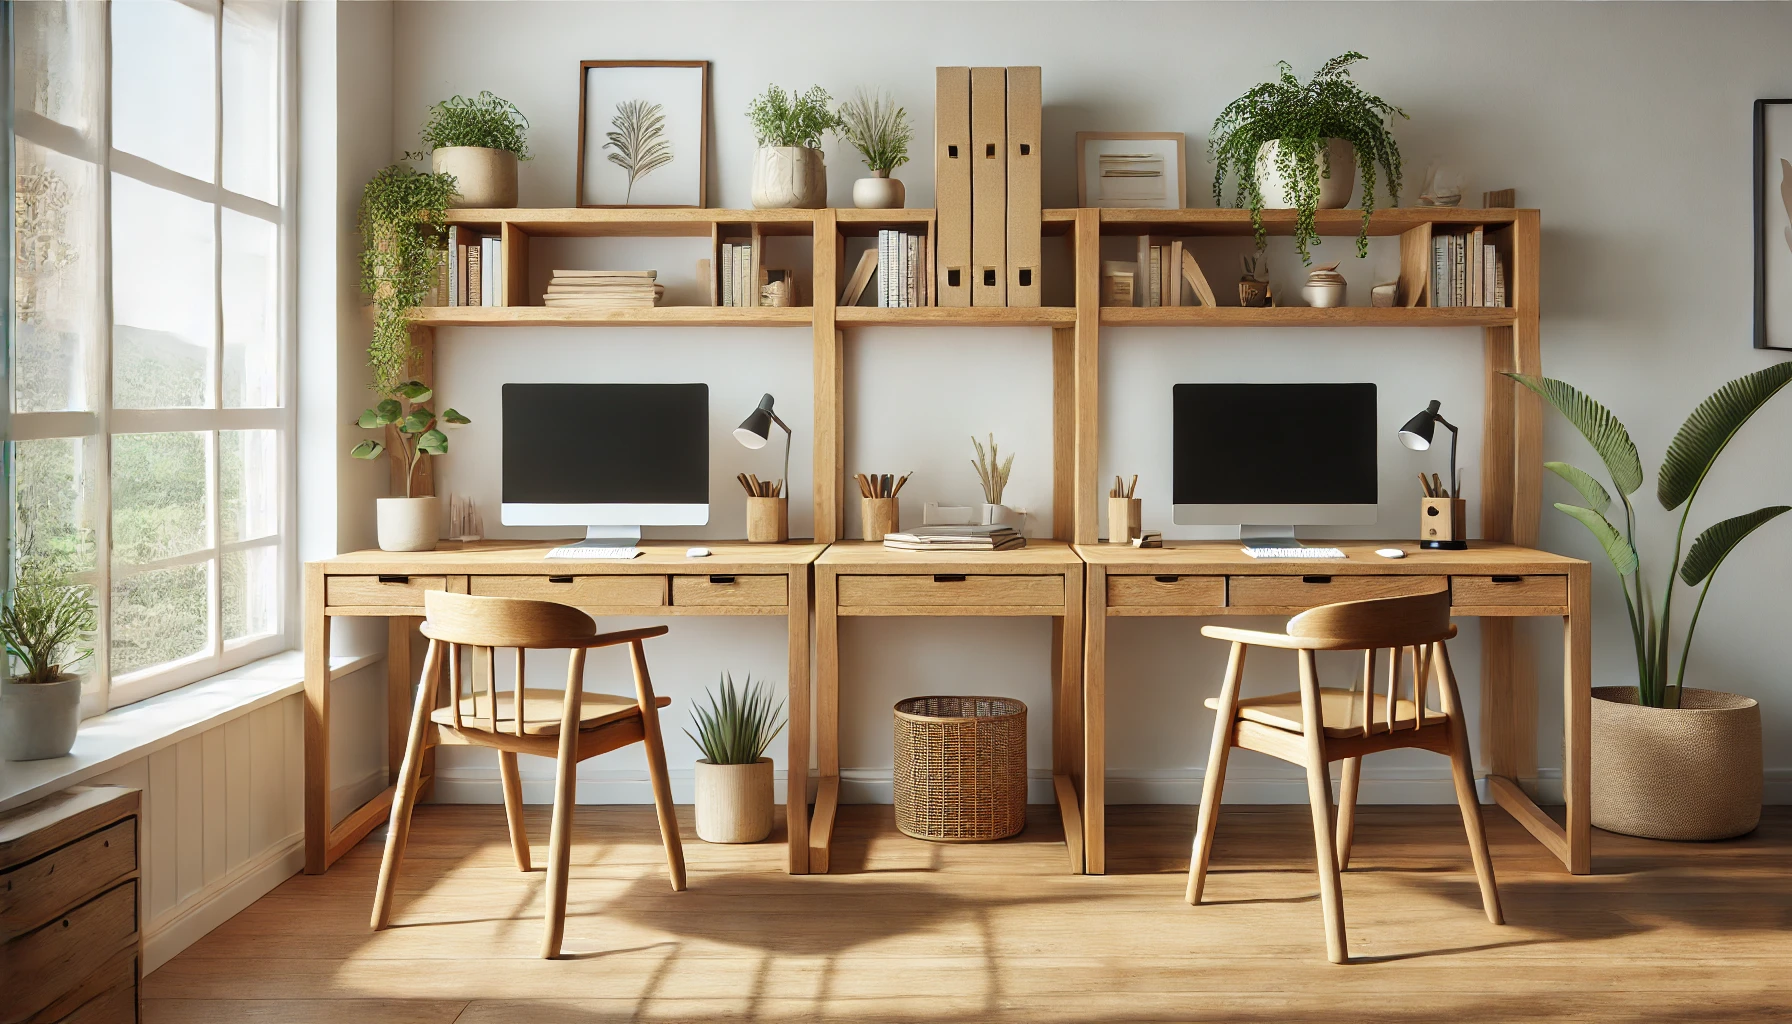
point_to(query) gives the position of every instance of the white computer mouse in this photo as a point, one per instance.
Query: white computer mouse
(696, 553)
(1390, 552)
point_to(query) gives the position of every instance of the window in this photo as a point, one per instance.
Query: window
(151, 434)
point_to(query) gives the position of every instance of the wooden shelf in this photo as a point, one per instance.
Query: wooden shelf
(956, 316)
(656, 316)
(636, 223)
(1281, 222)
(1305, 316)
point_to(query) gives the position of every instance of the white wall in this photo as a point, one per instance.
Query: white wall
(1628, 125)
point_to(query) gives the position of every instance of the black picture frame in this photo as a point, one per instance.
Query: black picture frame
(1762, 206)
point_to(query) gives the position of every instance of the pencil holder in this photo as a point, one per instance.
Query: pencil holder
(878, 516)
(1124, 517)
(1443, 523)
(768, 520)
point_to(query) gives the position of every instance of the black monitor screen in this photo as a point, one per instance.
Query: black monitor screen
(1275, 444)
(606, 444)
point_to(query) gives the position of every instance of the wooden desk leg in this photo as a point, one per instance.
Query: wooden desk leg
(1067, 717)
(827, 719)
(400, 689)
(796, 758)
(317, 724)
(1095, 655)
(1577, 710)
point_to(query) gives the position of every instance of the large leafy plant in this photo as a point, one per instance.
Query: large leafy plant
(792, 119)
(484, 120)
(738, 724)
(1300, 119)
(47, 621)
(403, 217)
(1690, 456)
(417, 430)
(878, 129)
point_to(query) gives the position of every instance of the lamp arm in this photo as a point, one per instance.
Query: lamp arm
(1455, 435)
(788, 437)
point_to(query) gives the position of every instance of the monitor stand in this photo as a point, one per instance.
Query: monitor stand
(1255, 536)
(609, 537)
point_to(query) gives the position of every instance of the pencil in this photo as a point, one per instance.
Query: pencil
(1132, 486)
(898, 488)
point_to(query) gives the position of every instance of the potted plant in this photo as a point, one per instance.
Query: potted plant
(788, 171)
(1669, 761)
(403, 216)
(1300, 146)
(993, 475)
(407, 523)
(45, 624)
(478, 142)
(734, 777)
(879, 130)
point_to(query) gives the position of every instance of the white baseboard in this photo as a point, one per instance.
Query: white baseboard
(220, 901)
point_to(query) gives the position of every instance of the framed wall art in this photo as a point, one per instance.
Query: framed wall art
(1131, 169)
(643, 133)
(1773, 224)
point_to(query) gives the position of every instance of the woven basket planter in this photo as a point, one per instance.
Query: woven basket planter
(961, 768)
(1664, 773)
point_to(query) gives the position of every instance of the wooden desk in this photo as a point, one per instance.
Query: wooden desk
(866, 578)
(1208, 578)
(736, 579)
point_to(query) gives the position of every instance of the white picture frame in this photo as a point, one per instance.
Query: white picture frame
(616, 98)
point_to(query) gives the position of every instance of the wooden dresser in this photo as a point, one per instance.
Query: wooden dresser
(70, 941)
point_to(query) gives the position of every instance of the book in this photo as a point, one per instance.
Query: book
(1154, 277)
(1173, 275)
(899, 245)
(860, 280)
(883, 269)
(1488, 257)
(1477, 296)
(1499, 283)
(1191, 270)
(475, 278)
(914, 270)
(956, 538)
(488, 264)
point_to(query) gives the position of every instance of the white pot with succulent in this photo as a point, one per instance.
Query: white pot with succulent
(46, 625)
(478, 141)
(993, 475)
(734, 777)
(410, 523)
(788, 171)
(879, 130)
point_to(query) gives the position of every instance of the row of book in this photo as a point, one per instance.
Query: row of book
(604, 289)
(739, 273)
(1159, 277)
(471, 274)
(902, 266)
(956, 538)
(987, 130)
(1466, 269)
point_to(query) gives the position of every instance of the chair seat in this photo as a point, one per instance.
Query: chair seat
(1341, 710)
(542, 709)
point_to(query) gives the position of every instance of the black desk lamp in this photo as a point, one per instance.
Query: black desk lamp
(1417, 435)
(756, 430)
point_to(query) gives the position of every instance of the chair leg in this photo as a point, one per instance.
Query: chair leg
(513, 807)
(1462, 771)
(409, 778)
(1319, 793)
(566, 766)
(656, 767)
(1207, 823)
(1347, 788)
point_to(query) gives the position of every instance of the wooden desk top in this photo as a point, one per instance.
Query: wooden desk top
(1226, 556)
(861, 556)
(529, 557)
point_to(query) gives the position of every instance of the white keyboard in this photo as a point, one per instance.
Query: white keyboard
(575, 551)
(1293, 552)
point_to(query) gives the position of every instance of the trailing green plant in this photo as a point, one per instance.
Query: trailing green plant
(738, 724)
(991, 474)
(485, 120)
(1690, 456)
(792, 119)
(48, 621)
(878, 129)
(638, 145)
(402, 221)
(1299, 119)
(418, 432)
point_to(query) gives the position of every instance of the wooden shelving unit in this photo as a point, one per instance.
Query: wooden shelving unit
(1305, 316)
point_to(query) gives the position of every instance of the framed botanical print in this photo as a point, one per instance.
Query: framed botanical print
(1131, 169)
(1773, 224)
(643, 133)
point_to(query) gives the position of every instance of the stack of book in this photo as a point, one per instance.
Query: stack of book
(956, 538)
(604, 289)
(1466, 269)
(471, 273)
(739, 273)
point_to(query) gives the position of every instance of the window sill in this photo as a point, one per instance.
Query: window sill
(137, 730)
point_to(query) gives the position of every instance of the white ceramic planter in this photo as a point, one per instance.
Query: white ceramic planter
(879, 192)
(734, 801)
(1692, 772)
(39, 720)
(1334, 192)
(789, 178)
(408, 524)
(998, 515)
(486, 178)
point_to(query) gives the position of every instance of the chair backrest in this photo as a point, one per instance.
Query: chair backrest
(1379, 622)
(502, 621)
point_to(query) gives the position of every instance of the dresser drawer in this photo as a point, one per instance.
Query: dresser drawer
(31, 894)
(578, 591)
(1509, 591)
(1311, 591)
(731, 591)
(385, 591)
(1166, 591)
(38, 967)
(951, 590)
(107, 996)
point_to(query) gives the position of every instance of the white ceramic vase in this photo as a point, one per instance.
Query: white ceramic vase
(1334, 192)
(39, 720)
(789, 178)
(485, 178)
(734, 801)
(408, 524)
(998, 515)
(879, 192)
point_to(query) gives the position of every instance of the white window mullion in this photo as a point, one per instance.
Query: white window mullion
(99, 459)
(42, 426)
(287, 193)
(215, 445)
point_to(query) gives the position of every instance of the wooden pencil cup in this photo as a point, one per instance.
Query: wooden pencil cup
(879, 516)
(768, 520)
(1124, 518)
(1443, 523)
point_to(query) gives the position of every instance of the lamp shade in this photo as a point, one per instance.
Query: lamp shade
(1419, 430)
(756, 429)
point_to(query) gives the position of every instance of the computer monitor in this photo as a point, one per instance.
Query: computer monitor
(609, 457)
(1270, 457)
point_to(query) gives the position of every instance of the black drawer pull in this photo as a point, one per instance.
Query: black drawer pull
(947, 578)
(393, 578)
(559, 579)
(1166, 579)
(1507, 579)
(1315, 579)
(722, 580)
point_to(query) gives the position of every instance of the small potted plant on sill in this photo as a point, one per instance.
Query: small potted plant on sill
(734, 777)
(788, 170)
(1669, 761)
(46, 625)
(1300, 146)
(478, 142)
(408, 523)
(993, 475)
(879, 130)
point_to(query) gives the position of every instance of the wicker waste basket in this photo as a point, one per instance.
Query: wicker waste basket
(961, 768)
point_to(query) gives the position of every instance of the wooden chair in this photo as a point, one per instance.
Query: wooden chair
(568, 726)
(1316, 725)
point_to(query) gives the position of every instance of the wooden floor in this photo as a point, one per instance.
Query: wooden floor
(908, 931)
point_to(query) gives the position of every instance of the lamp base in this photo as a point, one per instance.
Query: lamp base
(1444, 545)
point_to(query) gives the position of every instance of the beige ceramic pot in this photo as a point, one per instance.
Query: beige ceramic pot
(1334, 192)
(485, 178)
(734, 801)
(1692, 772)
(39, 720)
(789, 178)
(878, 192)
(408, 524)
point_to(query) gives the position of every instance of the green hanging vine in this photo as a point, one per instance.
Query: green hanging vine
(403, 215)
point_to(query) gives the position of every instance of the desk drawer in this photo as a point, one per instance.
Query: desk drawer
(34, 893)
(578, 591)
(731, 591)
(1166, 591)
(951, 590)
(38, 967)
(384, 591)
(1312, 590)
(1509, 591)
